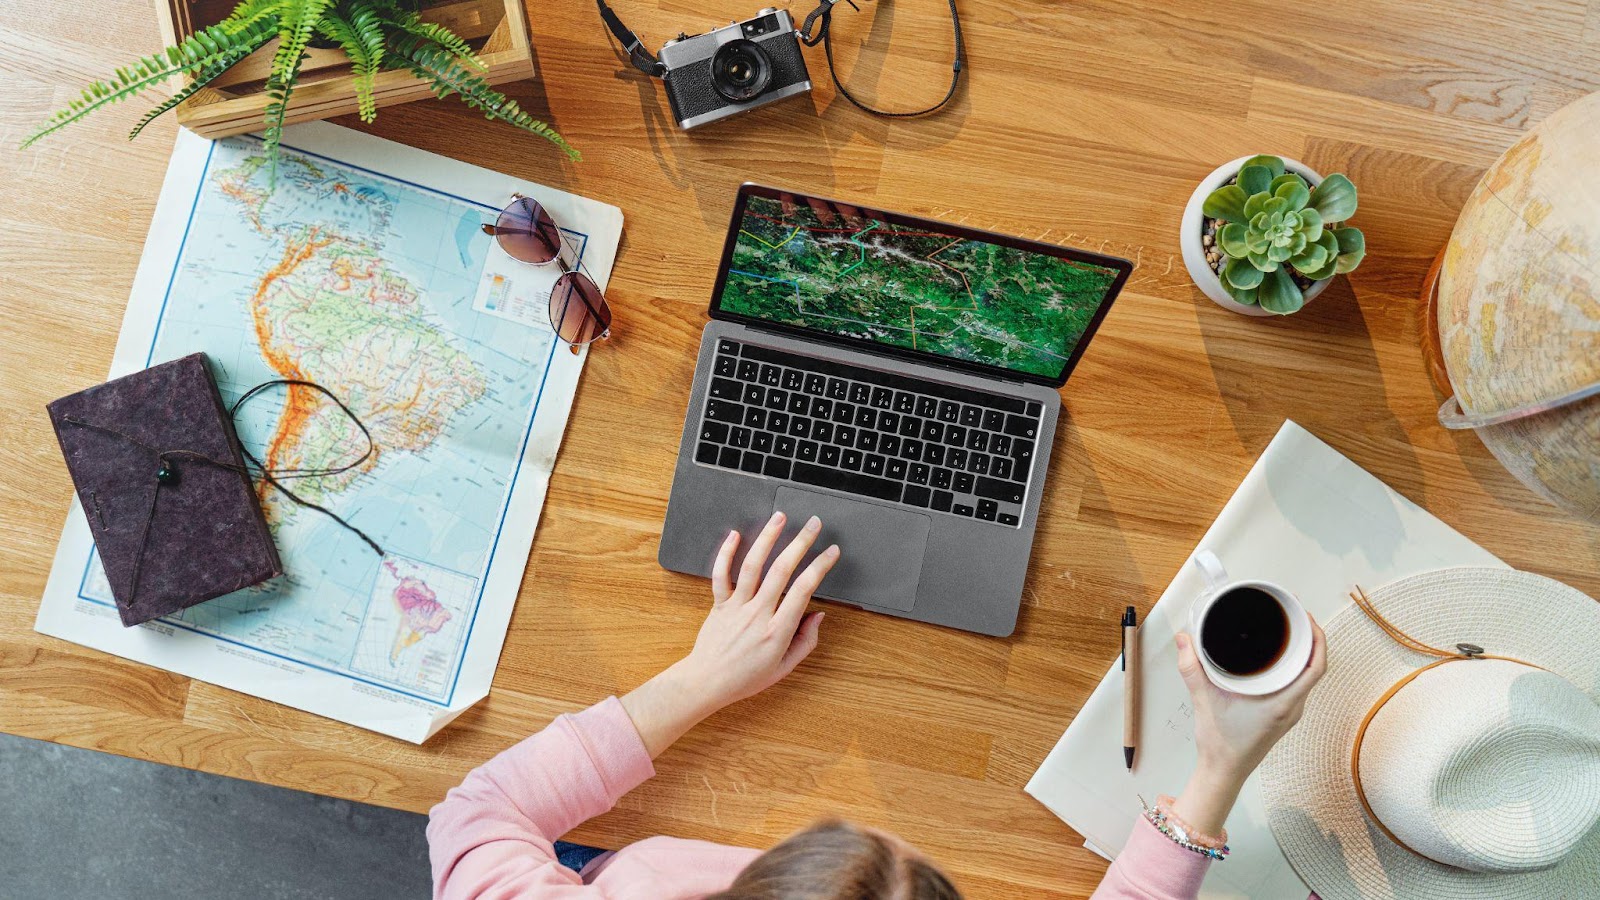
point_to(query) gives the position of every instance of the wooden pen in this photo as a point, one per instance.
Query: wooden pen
(1130, 685)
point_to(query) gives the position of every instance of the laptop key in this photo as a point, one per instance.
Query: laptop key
(978, 463)
(941, 477)
(844, 413)
(904, 402)
(754, 394)
(1035, 408)
(777, 399)
(866, 417)
(961, 509)
(715, 432)
(726, 389)
(1022, 452)
(837, 389)
(873, 464)
(971, 416)
(977, 440)
(1000, 467)
(747, 370)
(919, 473)
(751, 462)
(793, 379)
(849, 482)
(723, 411)
(927, 407)
(987, 510)
(844, 436)
(851, 459)
(729, 458)
(942, 500)
(910, 450)
(889, 445)
(706, 453)
(1021, 426)
(777, 422)
(784, 446)
(867, 440)
(933, 454)
(999, 445)
(910, 426)
(1008, 519)
(776, 467)
(963, 482)
(995, 489)
(762, 442)
(955, 435)
(755, 418)
(725, 366)
(932, 431)
(896, 469)
(799, 427)
(993, 419)
(860, 393)
(888, 421)
(724, 345)
(948, 411)
(740, 437)
(771, 376)
(806, 451)
(815, 384)
(821, 408)
(822, 432)
(882, 398)
(829, 455)
(799, 405)
(917, 496)
(955, 458)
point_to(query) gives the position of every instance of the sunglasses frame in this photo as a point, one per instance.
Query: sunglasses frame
(560, 261)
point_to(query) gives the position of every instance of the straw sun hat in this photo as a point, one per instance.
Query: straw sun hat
(1472, 777)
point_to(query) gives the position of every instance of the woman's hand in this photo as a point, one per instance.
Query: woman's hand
(755, 634)
(1233, 732)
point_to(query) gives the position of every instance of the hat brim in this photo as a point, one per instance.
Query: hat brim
(1310, 798)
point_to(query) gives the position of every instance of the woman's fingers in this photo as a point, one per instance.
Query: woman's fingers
(783, 567)
(805, 641)
(755, 559)
(805, 584)
(722, 568)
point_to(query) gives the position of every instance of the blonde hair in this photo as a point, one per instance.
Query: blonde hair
(834, 860)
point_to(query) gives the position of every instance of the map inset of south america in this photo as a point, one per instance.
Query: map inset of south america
(364, 285)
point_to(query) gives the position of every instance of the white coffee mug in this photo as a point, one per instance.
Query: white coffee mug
(1295, 656)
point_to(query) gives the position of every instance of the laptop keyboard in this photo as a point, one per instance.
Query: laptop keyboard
(874, 434)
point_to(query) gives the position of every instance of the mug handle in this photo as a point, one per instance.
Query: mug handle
(1211, 569)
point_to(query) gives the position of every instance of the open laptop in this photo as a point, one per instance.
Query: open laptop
(894, 376)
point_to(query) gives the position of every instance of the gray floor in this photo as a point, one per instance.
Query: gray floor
(76, 823)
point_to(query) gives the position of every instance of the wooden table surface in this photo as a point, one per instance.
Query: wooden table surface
(1086, 123)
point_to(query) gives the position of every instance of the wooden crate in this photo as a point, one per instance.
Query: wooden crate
(236, 102)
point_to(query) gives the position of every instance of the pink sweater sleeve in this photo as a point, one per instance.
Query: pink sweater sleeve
(1152, 867)
(494, 834)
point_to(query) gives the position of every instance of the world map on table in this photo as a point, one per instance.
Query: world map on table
(365, 285)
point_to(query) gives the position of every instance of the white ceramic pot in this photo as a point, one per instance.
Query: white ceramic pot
(1193, 227)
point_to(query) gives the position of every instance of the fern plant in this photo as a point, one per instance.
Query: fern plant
(375, 34)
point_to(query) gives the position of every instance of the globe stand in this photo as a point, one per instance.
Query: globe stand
(1428, 327)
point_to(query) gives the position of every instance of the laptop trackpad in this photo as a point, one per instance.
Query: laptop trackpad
(880, 549)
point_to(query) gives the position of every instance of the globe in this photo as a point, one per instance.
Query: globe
(1518, 306)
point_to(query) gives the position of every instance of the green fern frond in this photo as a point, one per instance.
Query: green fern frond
(445, 38)
(249, 12)
(296, 28)
(447, 76)
(360, 33)
(197, 53)
(251, 39)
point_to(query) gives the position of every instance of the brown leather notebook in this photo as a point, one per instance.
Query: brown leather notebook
(168, 539)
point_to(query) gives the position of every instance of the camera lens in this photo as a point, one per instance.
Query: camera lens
(740, 71)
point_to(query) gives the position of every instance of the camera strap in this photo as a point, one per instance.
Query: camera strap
(816, 30)
(642, 59)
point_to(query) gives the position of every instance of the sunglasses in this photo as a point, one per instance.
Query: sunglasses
(578, 310)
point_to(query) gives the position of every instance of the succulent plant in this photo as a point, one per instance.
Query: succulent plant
(1276, 222)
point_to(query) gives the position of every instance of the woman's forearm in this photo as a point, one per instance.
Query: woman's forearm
(664, 708)
(1208, 798)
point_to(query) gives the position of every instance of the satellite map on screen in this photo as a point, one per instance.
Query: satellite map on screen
(836, 271)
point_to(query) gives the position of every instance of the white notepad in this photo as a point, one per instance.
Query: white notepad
(1305, 517)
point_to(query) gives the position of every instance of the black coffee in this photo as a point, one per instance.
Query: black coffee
(1245, 631)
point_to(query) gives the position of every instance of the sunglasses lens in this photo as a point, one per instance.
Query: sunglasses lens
(578, 312)
(526, 232)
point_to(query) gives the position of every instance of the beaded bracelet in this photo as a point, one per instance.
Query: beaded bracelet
(1168, 823)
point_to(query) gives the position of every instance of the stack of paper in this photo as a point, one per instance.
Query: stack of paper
(1305, 517)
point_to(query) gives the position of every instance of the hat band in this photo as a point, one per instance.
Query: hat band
(1467, 653)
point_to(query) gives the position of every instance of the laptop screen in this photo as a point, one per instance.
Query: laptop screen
(915, 287)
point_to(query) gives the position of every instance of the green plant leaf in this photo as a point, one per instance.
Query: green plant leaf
(1318, 275)
(1279, 294)
(1293, 193)
(1255, 241)
(1260, 261)
(1334, 198)
(296, 27)
(1231, 239)
(1247, 296)
(1255, 179)
(1255, 205)
(1240, 274)
(1274, 164)
(1226, 203)
(447, 76)
(1285, 178)
(1278, 253)
(250, 38)
(1352, 249)
(1311, 259)
(1311, 224)
(445, 38)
